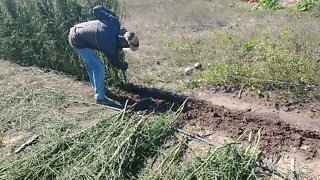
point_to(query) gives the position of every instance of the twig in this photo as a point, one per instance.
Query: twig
(240, 94)
(27, 143)
(196, 137)
(101, 105)
(293, 170)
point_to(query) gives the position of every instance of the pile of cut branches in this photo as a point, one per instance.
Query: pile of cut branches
(116, 148)
(225, 162)
(122, 146)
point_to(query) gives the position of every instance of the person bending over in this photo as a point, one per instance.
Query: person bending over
(104, 35)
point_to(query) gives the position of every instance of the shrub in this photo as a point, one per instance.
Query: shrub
(269, 4)
(35, 32)
(307, 5)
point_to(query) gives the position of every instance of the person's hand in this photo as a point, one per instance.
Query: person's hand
(124, 66)
(113, 13)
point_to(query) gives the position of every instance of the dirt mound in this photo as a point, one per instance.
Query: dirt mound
(276, 135)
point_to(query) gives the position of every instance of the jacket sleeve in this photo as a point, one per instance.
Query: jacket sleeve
(113, 58)
(103, 13)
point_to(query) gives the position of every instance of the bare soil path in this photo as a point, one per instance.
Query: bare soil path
(284, 135)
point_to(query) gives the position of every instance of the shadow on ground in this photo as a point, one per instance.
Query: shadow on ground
(149, 99)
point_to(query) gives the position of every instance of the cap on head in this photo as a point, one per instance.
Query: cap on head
(132, 40)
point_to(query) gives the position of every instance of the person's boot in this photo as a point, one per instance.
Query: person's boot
(105, 102)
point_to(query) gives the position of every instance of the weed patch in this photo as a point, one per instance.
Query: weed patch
(269, 4)
(264, 63)
(307, 5)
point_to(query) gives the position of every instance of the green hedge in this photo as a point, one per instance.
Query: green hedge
(35, 32)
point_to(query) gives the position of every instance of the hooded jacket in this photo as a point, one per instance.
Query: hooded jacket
(100, 34)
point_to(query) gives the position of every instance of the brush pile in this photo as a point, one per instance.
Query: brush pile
(225, 162)
(134, 146)
(116, 148)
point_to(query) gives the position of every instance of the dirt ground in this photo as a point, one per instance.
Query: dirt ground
(281, 140)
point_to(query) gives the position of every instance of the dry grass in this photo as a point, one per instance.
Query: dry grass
(176, 34)
(33, 102)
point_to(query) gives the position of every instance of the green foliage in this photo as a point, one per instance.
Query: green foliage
(266, 63)
(249, 45)
(307, 5)
(269, 4)
(192, 84)
(35, 32)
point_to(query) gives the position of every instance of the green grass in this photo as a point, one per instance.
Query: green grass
(269, 4)
(264, 63)
(307, 5)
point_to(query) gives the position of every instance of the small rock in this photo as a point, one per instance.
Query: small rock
(304, 147)
(188, 71)
(287, 109)
(313, 110)
(157, 62)
(197, 66)
(216, 115)
(227, 89)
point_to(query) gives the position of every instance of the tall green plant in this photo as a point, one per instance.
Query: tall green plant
(35, 32)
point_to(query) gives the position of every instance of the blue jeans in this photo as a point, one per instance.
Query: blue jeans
(95, 69)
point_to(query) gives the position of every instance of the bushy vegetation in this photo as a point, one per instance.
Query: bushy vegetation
(35, 32)
(307, 5)
(269, 4)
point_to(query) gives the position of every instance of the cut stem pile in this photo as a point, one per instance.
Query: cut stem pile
(116, 148)
(225, 162)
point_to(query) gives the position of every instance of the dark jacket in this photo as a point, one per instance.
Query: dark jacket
(101, 35)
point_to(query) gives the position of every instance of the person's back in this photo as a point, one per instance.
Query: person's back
(99, 34)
